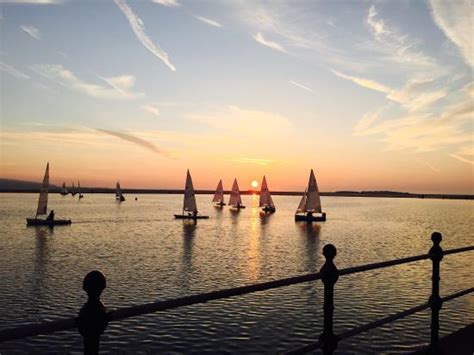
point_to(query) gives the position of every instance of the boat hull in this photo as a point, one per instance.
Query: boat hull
(221, 204)
(269, 209)
(46, 222)
(184, 216)
(237, 207)
(309, 219)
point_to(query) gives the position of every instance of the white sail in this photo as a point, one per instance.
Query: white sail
(302, 206)
(118, 193)
(235, 194)
(265, 197)
(313, 202)
(43, 197)
(189, 196)
(78, 187)
(64, 189)
(219, 195)
(73, 190)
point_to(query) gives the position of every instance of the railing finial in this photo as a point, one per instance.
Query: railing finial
(436, 237)
(92, 320)
(329, 252)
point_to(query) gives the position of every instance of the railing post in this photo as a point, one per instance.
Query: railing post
(329, 276)
(92, 319)
(436, 255)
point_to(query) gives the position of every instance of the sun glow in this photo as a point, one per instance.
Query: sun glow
(254, 183)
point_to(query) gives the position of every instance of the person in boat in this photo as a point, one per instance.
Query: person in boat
(50, 216)
(309, 214)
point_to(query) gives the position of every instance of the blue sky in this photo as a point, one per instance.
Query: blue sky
(372, 94)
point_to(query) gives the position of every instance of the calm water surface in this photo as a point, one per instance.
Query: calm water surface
(147, 256)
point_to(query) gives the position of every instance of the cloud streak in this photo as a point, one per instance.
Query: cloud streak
(454, 18)
(367, 83)
(13, 71)
(153, 109)
(118, 87)
(167, 3)
(208, 21)
(270, 44)
(132, 139)
(301, 86)
(32, 31)
(139, 29)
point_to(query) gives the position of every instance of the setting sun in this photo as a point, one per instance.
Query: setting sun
(254, 183)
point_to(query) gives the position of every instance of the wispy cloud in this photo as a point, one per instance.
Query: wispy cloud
(133, 139)
(417, 95)
(169, 3)
(414, 96)
(208, 21)
(367, 83)
(118, 88)
(452, 128)
(270, 44)
(455, 20)
(13, 71)
(395, 46)
(32, 31)
(153, 109)
(301, 86)
(139, 29)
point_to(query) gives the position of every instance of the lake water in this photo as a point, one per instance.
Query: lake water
(146, 256)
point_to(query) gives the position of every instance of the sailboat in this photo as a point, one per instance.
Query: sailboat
(190, 210)
(79, 190)
(235, 200)
(118, 193)
(43, 207)
(219, 195)
(266, 200)
(310, 203)
(64, 190)
(73, 190)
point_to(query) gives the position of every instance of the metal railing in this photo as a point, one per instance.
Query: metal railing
(93, 319)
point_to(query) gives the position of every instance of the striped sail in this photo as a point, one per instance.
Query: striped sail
(313, 202)
(219, 195)
(189, 196)
(43, 197)
(265, 197)
(235, 194)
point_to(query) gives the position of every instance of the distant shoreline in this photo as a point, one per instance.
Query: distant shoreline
(385, 194)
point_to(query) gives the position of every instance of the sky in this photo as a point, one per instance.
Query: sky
(372, 95)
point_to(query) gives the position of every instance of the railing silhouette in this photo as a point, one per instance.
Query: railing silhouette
(92, 320)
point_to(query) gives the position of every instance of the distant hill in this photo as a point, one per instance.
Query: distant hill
(10, 184)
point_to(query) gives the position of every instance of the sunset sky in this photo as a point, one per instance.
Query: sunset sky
(373, 95)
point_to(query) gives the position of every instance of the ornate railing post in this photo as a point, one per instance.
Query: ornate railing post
(436, 255)
(92, 319)
(329, 276)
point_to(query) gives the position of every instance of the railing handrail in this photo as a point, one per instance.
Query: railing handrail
(49, 327)
(377, 323)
